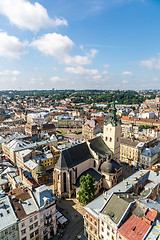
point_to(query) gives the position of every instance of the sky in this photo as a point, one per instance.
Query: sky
(79, 44)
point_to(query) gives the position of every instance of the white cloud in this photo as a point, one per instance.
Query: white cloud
(127, 73)
(10, 46)
(26, 15)
(125, 81)
(55, 79)
(13, 79)
(11, 73)
(152, 63)
(33, 80)
(53, 44)
(81, 71)
(106, 65)
(60, 47)
(16, 73)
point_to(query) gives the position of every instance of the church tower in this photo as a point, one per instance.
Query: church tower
(112, 133)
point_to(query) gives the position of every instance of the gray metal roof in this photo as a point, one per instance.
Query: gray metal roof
(41, 193)
(7, 214)
(95, 206)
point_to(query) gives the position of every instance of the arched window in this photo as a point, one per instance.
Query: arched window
(70, 178)
(64, 181)
(76, 173)
(106, 138)
(110, 139)
(94, 164)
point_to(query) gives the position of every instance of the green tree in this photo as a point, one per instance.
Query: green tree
(86, 194)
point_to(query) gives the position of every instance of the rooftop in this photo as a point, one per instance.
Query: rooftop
(134, 228)
(7, 214)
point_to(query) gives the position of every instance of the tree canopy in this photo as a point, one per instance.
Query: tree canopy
(87, 189)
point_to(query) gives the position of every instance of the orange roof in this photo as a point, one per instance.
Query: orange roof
(151, 215)
(134, 228)
(141, 119)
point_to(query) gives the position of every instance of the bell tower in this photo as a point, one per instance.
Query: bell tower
(112, 133)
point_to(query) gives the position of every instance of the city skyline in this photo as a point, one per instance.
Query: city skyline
(98, 44)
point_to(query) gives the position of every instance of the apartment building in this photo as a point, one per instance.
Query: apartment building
(27, 214)
(8, 219)
(12, 147)
(90, 128)
(108, 214)
(150, 156)
(130, 151)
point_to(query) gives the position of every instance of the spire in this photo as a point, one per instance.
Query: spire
(112, 115)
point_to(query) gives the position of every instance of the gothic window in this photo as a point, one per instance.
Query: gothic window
(76, 173)
(64, 181)
(94, 163)
(70, 177)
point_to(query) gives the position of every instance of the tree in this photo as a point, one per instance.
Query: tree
(86, 194)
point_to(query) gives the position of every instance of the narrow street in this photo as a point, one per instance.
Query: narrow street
(73, 211)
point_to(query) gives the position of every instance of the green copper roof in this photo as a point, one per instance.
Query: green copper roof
(112, 115)
(40, 168)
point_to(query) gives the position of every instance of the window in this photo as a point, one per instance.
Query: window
(36, 224)
(95, 231)
(6, 232)
(36, 232)
(31, 227)
(106, 138)
(102, 223)
(23, 231)
(13, 235)
(108, 227)
(31, 220)
(110, 139)
(6, 238)
(22, 225)
(13, 227)
(24, 238)
(94, 164)
(31, 235)
(86, 215)
(102, 229)
(35, 217)
(91, 219)
(95, 223)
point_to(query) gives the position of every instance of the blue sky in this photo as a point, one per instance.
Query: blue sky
(79, 44)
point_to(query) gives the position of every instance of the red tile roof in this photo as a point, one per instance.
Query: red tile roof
(141, 119)
(134, 228)
(151, 215)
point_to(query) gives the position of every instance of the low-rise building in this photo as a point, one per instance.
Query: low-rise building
(8, 219)
(130, 151)
(108, 214)
(47, 211)
(90, 128)
(150, 156)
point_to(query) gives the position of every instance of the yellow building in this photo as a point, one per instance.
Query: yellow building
(130, 151)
